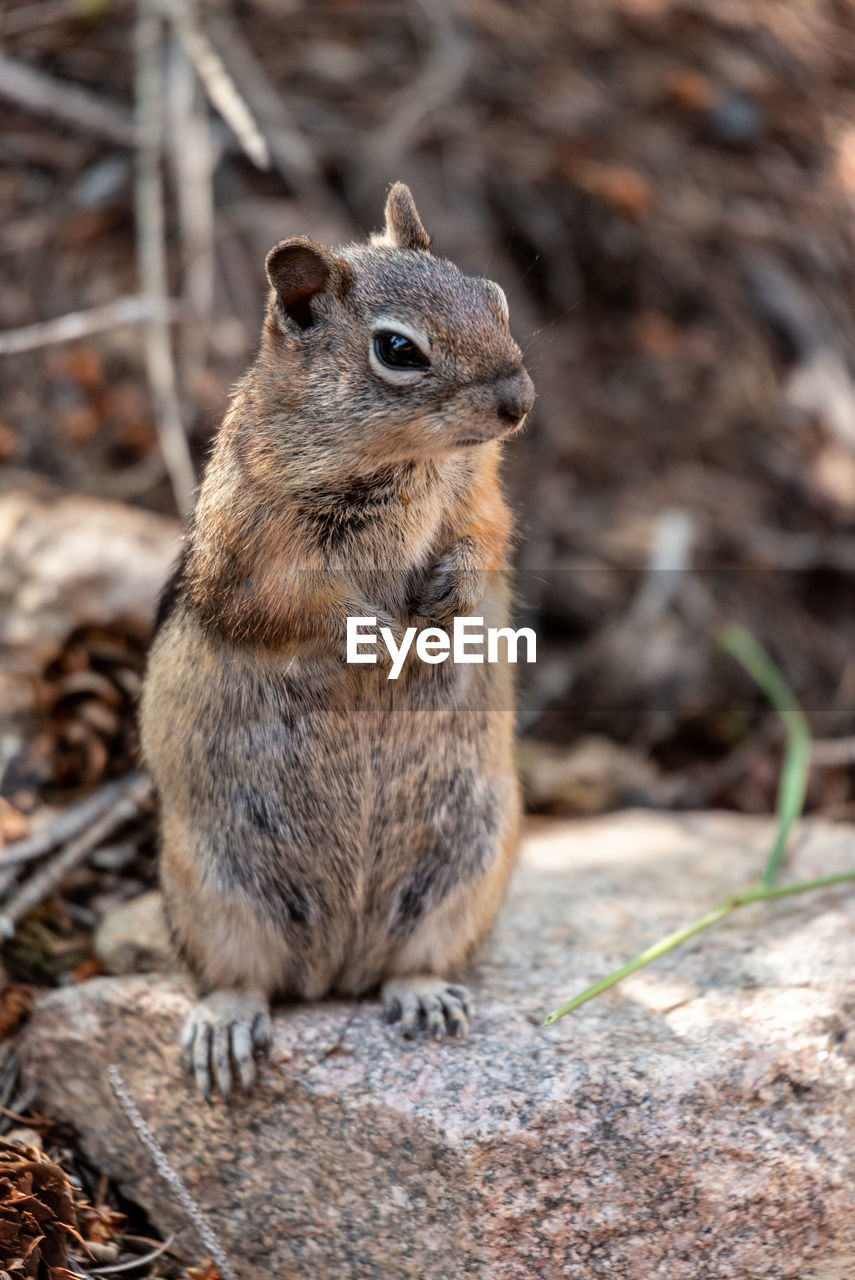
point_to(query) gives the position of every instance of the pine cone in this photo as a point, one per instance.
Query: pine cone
(38, 1218)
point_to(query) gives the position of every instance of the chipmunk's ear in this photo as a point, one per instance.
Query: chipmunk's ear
(404, 228)
(303, 274)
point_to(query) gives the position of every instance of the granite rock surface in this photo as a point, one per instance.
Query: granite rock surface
(696, 1123)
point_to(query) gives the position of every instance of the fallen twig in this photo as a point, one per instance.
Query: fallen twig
(69, 823)
(49, 877)
(151, 253)
(83, 324)
(173, 1180)
(45, 96)
(133, 1263)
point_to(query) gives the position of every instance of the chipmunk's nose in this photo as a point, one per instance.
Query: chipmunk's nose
(515, 397)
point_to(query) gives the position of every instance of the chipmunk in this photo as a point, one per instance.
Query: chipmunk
(325, 829)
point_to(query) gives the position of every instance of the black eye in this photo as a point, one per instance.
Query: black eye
(398, 352)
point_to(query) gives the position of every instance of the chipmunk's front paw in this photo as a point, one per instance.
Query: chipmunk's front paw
(453, 589)
(222, 1036)
(425, 1003)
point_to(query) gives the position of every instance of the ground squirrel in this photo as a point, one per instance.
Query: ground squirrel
(326, 829)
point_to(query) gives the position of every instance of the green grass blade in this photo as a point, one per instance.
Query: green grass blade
(762, 893)
(742, 646)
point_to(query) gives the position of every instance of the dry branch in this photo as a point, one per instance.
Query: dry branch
(151, 251)
(44, 96)
(219, 86)
(48, 878)
(33, 17)
(84, 324)
(192, 164)
(69, 823)
(292, 154)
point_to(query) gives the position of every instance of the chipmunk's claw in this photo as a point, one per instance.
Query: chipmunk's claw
(222, 1037)
(425, 1003)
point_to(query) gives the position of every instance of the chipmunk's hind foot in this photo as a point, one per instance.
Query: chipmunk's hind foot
(425, 1003)
(222, 1038)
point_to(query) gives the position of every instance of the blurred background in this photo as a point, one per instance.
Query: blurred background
(665, 190)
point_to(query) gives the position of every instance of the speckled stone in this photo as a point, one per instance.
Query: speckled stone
(696, 1123)
(134, 938)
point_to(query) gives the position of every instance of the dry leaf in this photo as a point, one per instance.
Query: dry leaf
(16, 1001)
(625, 190)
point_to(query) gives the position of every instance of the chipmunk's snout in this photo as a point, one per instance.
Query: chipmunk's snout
(514, 399)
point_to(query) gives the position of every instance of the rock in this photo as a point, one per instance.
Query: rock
(134, 938)
(78, 561)
(696, 1122)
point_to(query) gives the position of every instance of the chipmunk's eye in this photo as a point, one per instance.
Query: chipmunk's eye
(397, 351)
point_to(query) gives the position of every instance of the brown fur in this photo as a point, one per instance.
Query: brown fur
(325, 828)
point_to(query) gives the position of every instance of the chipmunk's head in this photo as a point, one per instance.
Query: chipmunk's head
(388, 352)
